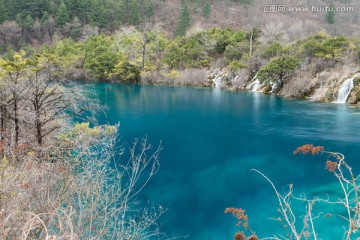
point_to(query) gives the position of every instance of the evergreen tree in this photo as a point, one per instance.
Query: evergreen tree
(134, 13)
(3, 12)
(28, 22)
(149, 10)
(102, 16)
(19, 19)
(92, 10)
(84, 5)
(183, 23)
(330, 15)
(45, 17)
(101, 13)
(245, 2)
(62, 15)
(206, 10)
(16, 7)
(75, 29)
(122, 12)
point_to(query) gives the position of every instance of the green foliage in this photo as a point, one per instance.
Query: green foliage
(245, 2)
(216, 39)
(16, 64)
(149, 9)
(327, 47)
(19, 19)
(236, 65)
(357, 55)
(173, 74)
(183, 22)
(185, 53)
(357, 80)
(206, 10)
(278, 69)
(62, 15)
(235, 51)
(273, 50)
(75, 32)
(134, 13)
(126, 72)
(45, 17)
(100, 13)
(4, 15)
(100, 56)
(254, 33)
(84, 129)
(221, 37)
(121, 12)
(330, 15)
(28, 22)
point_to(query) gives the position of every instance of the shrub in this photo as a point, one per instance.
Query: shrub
(126, 72)
(273, 50)
(76, 194)
(186, 53)
(236, 65)
(323, 46)
(278, 69)
(235, 51)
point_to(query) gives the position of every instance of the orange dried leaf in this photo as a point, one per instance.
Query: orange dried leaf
(331, 166)
(304, 149)
(240, 215)
(239, 236)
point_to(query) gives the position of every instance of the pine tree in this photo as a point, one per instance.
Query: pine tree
(45, 17)
(206, 10)
(330, 15)
(122, 12)
(19, 19)
(62, 15)
(28, 22)
(183, 23)
(134, 13)
(83, 15)
(75, 29)
(93, 10)
(149, 11)
(102, 16)
(3, 12)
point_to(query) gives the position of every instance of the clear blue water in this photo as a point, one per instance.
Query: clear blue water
(213, 138)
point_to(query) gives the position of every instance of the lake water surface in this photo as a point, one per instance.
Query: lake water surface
(213, 138)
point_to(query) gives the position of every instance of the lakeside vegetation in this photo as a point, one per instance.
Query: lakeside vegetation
(132, 55)
(66, 180)
(127, 41)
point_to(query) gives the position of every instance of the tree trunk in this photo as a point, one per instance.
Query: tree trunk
(2, 126)
(143, 56)
(38, 128)
(251, 36)
(16, 120)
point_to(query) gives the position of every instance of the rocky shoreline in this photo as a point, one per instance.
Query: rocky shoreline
(338, 85)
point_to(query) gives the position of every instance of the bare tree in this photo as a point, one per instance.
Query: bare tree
(13, 73)
(79, 196)
(10, 32)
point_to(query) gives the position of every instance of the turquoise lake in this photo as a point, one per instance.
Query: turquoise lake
(213, 138)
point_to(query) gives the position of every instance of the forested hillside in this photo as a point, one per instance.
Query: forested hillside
(178, 42)
(44, 21)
